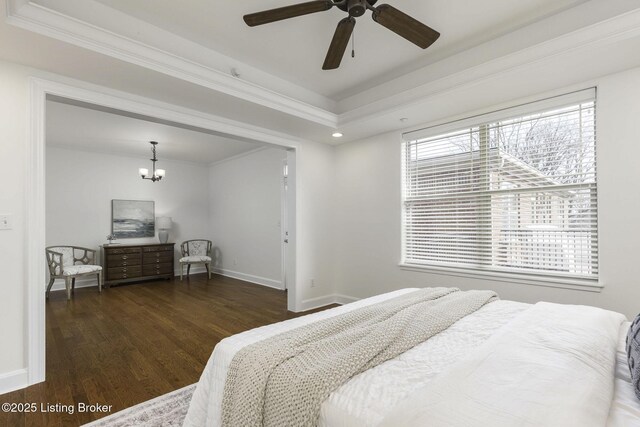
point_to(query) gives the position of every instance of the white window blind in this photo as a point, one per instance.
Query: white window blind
(509, 194)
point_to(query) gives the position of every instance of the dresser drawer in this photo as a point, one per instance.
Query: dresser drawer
(123, 272)
(157, 269)
(168, 248)
(123, 260)
(135, 263)
(120, 251)
(157, 257)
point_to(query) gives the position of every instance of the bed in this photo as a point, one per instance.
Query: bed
(434, 371)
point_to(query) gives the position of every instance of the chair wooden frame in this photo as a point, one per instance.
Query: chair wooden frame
(184, 248)
(55, 262)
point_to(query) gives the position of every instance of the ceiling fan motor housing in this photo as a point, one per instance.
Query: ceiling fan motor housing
(357, 8)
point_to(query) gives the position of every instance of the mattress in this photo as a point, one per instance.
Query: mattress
(367, 398)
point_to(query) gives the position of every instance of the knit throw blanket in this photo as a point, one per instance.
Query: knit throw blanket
(283, 380)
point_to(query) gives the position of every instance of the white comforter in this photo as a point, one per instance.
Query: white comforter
(368, 398)
(553, 366)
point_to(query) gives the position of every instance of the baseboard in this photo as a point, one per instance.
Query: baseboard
(87, 282)
(15, 380)
(313, 303)
(309, 304)
(345, 299)
(276, 284)
(196, 269)
(84, 282)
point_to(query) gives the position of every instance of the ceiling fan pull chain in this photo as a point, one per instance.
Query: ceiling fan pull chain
(353, 44)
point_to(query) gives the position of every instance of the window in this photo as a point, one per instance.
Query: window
(513, 191)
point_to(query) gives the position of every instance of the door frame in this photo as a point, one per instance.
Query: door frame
(284, 223)
(110, 99)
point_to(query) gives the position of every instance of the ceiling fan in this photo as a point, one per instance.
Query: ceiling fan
(387, 16)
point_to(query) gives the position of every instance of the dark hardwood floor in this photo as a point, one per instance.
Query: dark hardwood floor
(133, 343)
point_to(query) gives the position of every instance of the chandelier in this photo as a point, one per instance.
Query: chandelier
(156, 174)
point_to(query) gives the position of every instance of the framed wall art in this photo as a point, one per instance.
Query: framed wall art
(132, 218)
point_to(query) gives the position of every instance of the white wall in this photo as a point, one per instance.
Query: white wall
(348, 214)
(368, 222)
(245, 212)
(80, 186)
(13, 149)
(249, 188)
(313, 242)
(315, 214)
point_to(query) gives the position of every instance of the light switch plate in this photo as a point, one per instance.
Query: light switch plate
(6, 222)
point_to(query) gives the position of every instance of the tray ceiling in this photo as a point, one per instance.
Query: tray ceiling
(491, 52)
(295, 49)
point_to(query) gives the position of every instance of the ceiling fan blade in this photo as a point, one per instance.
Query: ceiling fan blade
(287, 12)
(404, 25)
(339, 43)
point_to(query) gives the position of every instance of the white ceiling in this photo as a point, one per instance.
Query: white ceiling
(86, 129)
(88, 42)
(294, 49)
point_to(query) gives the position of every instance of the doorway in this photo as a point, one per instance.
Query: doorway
(115, 101)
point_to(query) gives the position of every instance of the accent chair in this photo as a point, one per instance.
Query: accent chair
(69, 263)
(195, 251)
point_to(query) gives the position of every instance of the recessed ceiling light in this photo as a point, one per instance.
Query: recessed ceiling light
(337, 135)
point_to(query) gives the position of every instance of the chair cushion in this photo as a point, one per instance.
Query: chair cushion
(73, 270)
(195, 258)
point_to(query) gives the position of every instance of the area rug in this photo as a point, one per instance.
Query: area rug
(168, 410)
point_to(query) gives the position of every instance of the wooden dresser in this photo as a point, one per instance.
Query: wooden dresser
(132, 263)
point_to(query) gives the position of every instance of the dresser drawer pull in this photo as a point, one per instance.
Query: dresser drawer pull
(124, 257)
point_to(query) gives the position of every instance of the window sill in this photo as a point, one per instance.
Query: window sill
(524, 279)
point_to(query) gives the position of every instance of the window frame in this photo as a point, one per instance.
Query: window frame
(547, 278)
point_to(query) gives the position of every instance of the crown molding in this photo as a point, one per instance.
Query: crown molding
(359, 115)
(165, 113)
(584, 40)
(36, 18)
